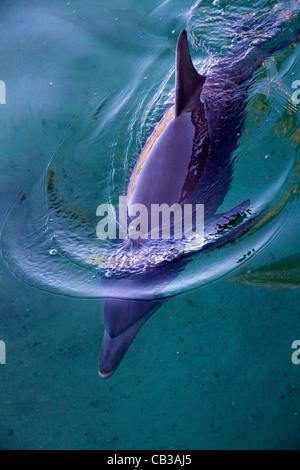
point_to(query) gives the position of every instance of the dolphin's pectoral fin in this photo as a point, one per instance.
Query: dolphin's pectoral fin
(222, 222)
(122, 321)
(188, 81)
(229, 227)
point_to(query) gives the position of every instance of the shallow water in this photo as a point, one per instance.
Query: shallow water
(212, 369)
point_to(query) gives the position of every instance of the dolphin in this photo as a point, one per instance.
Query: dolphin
(186, 160)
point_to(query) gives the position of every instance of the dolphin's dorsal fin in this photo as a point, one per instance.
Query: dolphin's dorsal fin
(188, 81)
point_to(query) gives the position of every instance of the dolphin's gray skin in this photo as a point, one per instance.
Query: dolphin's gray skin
(186, 160)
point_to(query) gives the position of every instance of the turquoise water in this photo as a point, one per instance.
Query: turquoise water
(212, 368)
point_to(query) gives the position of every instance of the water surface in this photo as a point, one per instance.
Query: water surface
(86, 83)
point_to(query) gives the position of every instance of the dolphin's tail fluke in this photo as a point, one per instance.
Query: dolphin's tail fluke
(122, 321)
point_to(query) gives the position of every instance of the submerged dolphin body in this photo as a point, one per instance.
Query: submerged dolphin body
(186, 160)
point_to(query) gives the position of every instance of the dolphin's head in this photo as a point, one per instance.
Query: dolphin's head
(122, 320)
